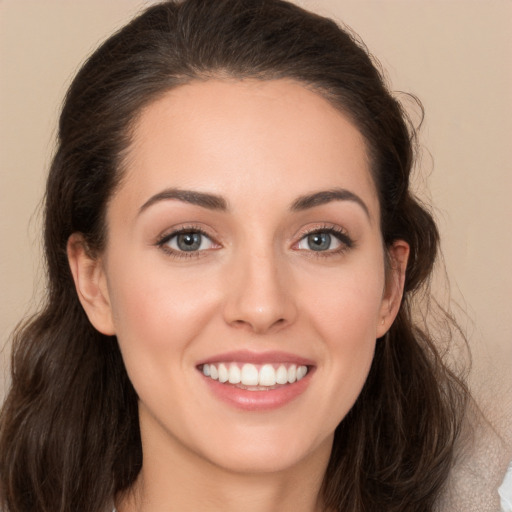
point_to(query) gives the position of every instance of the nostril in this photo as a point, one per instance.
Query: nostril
(259, 325)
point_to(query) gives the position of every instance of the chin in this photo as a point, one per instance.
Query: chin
(266, 452)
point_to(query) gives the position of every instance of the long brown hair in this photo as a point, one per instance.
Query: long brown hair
(69, 433)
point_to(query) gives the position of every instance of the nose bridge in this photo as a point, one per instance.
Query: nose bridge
(259, 295)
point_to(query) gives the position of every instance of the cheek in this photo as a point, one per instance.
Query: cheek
(347, 323)
(157, 312)
(346, 303)
(344, 311)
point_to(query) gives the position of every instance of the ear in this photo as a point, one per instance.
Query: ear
(398, 255)
(91, 284)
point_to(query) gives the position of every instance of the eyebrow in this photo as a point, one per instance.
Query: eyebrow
(215, 202)
(209, 201)
(326, 196)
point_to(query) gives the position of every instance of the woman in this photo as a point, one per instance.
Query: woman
(233, 255)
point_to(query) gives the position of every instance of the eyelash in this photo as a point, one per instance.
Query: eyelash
(344, 239)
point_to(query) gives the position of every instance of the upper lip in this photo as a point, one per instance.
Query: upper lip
(247, 356)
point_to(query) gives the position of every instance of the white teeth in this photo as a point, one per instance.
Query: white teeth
(282, 375)
(292, 374)
(234, 374)
(267, 376)
(223, 373)
(249, 375)
(301, 372)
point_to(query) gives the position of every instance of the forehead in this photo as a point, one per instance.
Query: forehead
(246, 138)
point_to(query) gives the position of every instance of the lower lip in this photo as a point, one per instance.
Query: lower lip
(263, 400)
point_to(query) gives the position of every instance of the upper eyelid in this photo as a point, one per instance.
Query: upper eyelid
(323, 227)
(332, 228)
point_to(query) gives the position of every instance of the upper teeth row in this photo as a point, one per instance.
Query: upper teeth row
(249, 375)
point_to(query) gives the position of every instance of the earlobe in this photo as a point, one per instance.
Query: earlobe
(90, 284)
(398, 255)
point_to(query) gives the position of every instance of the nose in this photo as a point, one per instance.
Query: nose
(260, 294)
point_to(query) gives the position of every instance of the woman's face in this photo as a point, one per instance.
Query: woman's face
(244, 243)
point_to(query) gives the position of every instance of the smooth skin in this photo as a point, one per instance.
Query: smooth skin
(256, 280)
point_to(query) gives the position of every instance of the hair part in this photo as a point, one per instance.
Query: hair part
(69, 432)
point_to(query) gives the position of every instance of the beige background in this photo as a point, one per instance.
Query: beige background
(455, 55)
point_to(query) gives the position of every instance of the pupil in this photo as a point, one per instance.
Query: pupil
(319, 241)
(189, 241)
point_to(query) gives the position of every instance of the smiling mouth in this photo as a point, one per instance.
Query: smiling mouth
(254, 377)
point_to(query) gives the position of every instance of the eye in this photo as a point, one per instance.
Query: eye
(319, 242)
(332, 240)
(186, 241)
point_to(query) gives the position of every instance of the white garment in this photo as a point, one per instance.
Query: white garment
(505, 491)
